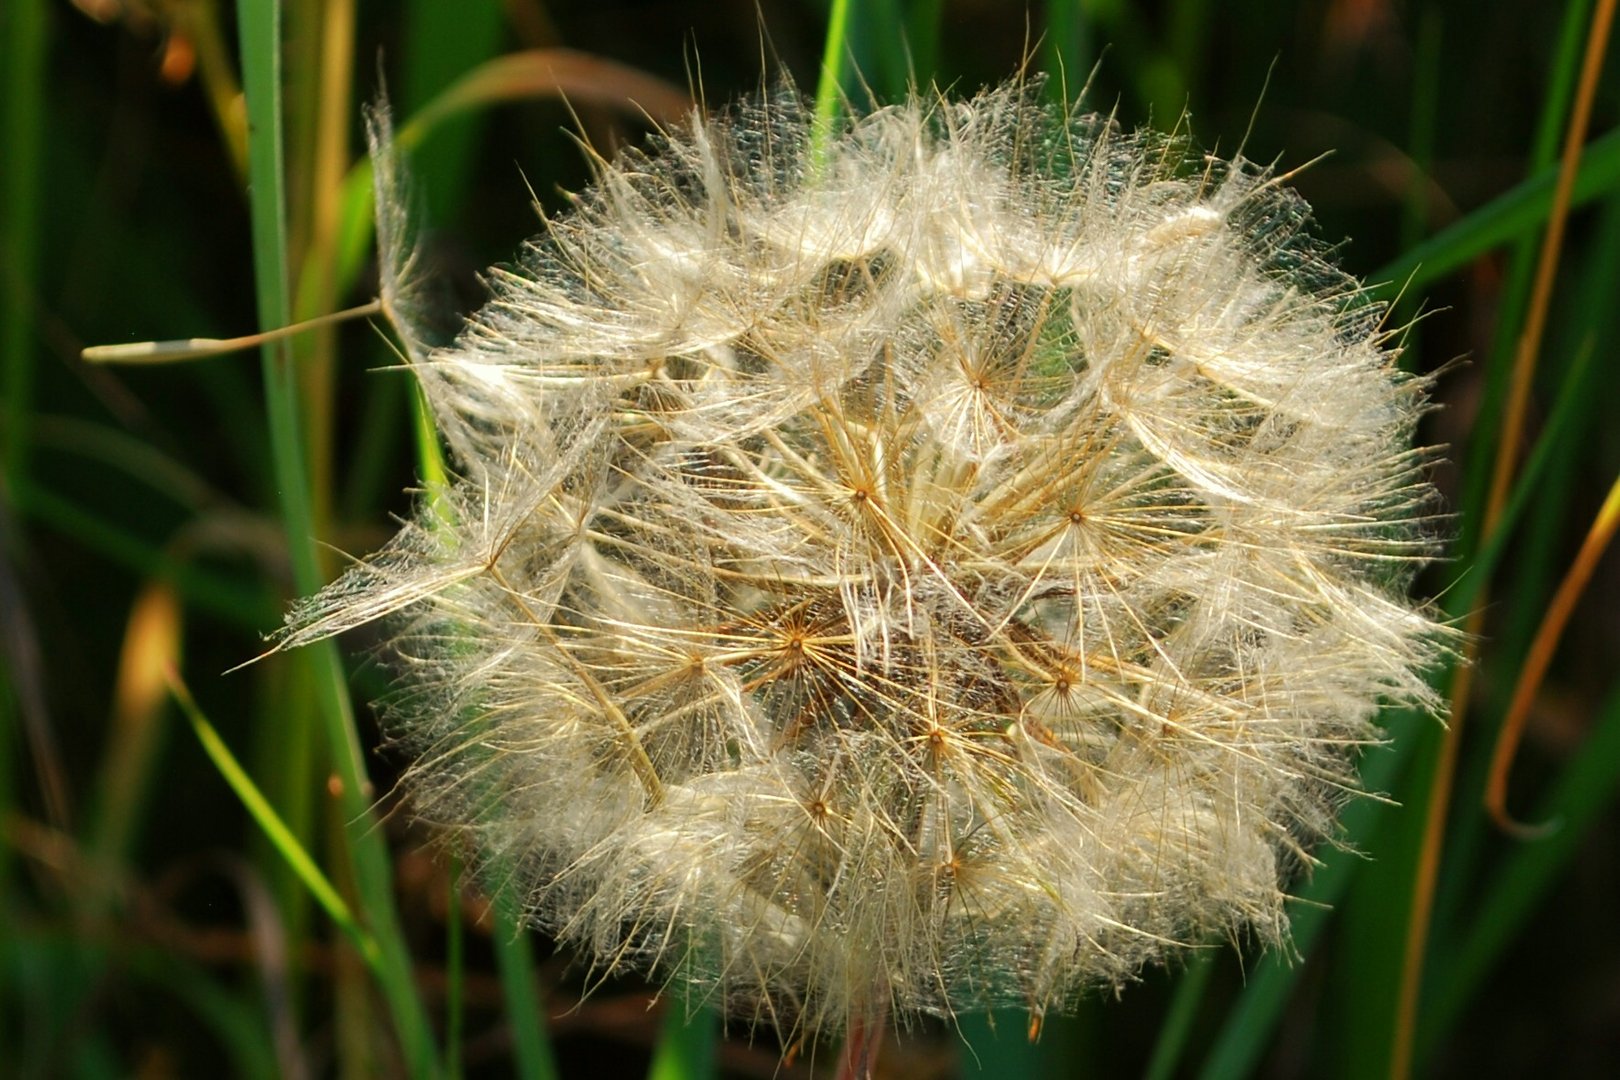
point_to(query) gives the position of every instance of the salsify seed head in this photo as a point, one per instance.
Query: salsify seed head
(948, 564)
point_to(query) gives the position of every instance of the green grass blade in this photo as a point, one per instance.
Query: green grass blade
(22, 112)
(1521, 270)
(830, 84)
(540, 73)
(1068, 49)
(284, 760)
(356, 228)
(275, 830)
(1174, 1032)
(1558, 435)
(1561, 87)
(880, 50)
(442, 43)
(1247, 1029)
(1364, 961)
(923, 21)
(261, 43)
(430, 465)
(1388, 934)
(687, 1043)
(1576, 423)
(525, 1012)
(1187, 37)
(261, 49)
(1504, 218)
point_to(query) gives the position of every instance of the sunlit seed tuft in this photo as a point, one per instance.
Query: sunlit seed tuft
(950, 570)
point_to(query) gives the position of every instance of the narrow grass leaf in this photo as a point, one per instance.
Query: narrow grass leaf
(545, 73)
(830, 84)
(1578, 417)
(923, 21)
(687, 1042)
(275, 830)
(878, 49)
(525, 1012)
(1509, 215)
(1436, 787)
(538, 73)
(441, 42)
(1069, 51)
(1246, 1032)
(1171, 1045)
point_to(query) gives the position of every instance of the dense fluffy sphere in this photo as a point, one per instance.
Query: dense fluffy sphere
(949, 563)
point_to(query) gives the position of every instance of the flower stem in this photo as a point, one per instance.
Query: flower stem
(858, 1056)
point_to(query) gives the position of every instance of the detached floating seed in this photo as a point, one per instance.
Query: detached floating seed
(951, 568)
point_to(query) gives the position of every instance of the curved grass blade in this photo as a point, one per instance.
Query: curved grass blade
(537, 73)
(1582, 792)
(1541, 652)
(545, 73)
(1537, 544)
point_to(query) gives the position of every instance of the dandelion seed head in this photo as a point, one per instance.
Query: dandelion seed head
(952, 568)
